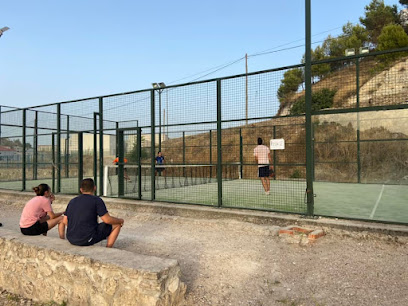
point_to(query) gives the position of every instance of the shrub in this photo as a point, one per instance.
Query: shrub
(320, 99)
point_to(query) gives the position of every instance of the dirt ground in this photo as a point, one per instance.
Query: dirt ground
(227, 262)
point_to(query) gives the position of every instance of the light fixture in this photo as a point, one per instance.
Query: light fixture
(350, 52)
(364, 50)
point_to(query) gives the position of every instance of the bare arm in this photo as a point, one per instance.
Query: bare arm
(108, 219)
(53, 215)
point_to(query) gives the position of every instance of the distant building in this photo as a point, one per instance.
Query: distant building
(9, 154)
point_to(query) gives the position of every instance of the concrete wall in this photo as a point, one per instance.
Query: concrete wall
(50, 269)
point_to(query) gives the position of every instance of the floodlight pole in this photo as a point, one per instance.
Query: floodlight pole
(160, 88)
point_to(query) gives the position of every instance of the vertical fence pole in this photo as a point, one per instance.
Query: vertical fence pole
(24, 150)
(35, 153)
(121, 172)
(80, 159)
(358, 118)
(116, 139)
(274, 153)
(211, 161)
(219, 144)
(241, 154)
(184, 148)
(95, 146)
(152, 146)
(101, 146)
(139, 162)
(308, 100)
(58, 148)
(67, 150)
(53, 160)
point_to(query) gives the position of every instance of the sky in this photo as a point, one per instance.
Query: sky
(58, 51)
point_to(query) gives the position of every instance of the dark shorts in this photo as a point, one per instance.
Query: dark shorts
(102, 232)
(36, 229)
(263, 171)
(160, 169)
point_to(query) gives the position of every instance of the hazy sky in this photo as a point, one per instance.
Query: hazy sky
(64, 50)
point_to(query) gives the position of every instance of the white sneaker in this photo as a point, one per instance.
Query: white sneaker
(267, 192)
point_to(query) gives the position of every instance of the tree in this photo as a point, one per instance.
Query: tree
(392, 36)
(403, 2)
(320, 99)
(290, 83)
(378, 15)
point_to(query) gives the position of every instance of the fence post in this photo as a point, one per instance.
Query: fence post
(24, 150)
(139, 162)
(211, 161)
(95, 146)
(53, 160)
(308, 102)
(241, 154)
(152, 146)
(35, 144)
(67, 150)
(58, 148)
(358, 118)
(121, 172)
(101, 146)
(274, 153)
(219, 144)
(80, 159)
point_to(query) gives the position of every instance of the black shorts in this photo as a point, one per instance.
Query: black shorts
(36, 229)
(102, 232)
(263, 171)
(160, 169)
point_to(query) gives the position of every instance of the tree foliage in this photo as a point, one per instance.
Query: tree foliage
(378, 15)
(290, 83)
(403, 2)
(320, 99)
(392, 36)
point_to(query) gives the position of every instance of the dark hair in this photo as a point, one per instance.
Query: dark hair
(158, 152)
(88, 185)
(259, 140)
(41, 189)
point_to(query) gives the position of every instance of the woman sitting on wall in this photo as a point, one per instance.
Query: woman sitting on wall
(38, 217)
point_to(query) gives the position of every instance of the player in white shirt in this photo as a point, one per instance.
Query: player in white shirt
(263, 159)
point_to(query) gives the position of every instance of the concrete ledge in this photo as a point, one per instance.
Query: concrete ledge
(50, 269)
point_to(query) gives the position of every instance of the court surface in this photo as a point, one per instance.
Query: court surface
(344, 200)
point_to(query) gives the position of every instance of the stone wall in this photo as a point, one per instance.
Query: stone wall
(50, 269)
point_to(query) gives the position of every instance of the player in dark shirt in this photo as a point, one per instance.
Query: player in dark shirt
(81, 219)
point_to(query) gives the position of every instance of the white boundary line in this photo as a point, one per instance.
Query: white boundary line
(376, 203)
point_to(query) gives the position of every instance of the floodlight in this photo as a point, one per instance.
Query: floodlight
(162, 85)
(155, 85)
(350, 52)
(364, 50)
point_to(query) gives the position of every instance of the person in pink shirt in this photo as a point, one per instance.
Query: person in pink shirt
(38, 217)
(263, 158)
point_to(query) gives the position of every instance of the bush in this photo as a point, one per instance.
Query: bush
(320, 99)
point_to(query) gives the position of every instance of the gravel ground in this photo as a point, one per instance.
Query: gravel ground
(227, 262)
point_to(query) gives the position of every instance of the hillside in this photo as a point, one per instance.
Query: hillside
(336, 155)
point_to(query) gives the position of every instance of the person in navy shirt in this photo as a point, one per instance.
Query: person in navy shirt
(160, 164)
(81, 219)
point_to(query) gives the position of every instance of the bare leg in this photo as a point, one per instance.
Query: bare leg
(61, 229)
(113, 235)
(264, 184)
(54, 222)
(268, 183)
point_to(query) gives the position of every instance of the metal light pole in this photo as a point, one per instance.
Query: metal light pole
(159, 87)
(2, 30)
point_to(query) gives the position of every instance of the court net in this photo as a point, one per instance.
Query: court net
(166, 176)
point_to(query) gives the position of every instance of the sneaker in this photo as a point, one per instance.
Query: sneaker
(267, 192)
